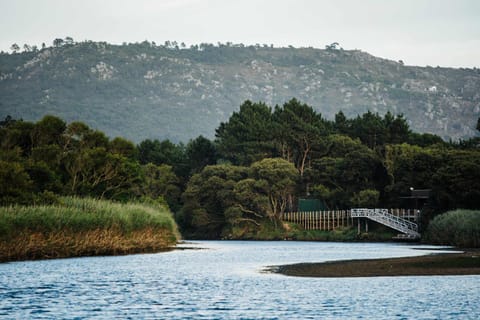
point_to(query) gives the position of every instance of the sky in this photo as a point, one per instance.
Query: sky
(420, 32)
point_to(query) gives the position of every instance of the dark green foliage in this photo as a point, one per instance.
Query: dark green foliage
(457, 182)
(15, 184)
(346, 169)
(299, 132)
(207, 197)
(262, 161)
(123, 147)
(200, 152)
(50, 157)
(424, 140)
(459, 228)
(224, 198)
(164, 152)
(248, 134)
(160, 182)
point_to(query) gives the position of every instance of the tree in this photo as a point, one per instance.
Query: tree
(207, 197)
(161, 182)
(75, 135)
(347, 168)
(424, 139)
(333, 46)
(58, 42)
(367, 198)
(8, 121)
(15, 184)
(15, 48)
(248, 134)
(200, 153)
(49, 130)
(69, 41)
(456, 183)
(251, 203)
(410, 166)
(370, 128)
(277, 179)
(299, 130)
(96, 172)
(164, 152)
(123, 147)
(17, 134)
(342, 125)
(398, 130)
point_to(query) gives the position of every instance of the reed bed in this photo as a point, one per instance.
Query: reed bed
(84, 227)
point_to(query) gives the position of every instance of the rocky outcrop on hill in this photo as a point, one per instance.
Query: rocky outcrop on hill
(144, 91)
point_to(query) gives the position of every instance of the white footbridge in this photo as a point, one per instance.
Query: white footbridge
(408, 229)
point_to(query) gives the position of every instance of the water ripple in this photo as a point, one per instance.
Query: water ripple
(223, 282)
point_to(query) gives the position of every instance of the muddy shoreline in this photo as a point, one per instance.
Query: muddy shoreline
(466, 263)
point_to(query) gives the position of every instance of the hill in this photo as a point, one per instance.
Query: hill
(143, 90)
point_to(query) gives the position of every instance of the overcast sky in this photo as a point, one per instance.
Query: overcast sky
(419, 32)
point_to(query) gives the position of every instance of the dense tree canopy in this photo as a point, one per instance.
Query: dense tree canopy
(261, 162)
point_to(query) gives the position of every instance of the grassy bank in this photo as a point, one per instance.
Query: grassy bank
(460, 228)
(84, 227)
(467, 263)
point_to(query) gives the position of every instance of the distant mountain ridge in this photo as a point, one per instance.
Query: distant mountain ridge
(142, 90)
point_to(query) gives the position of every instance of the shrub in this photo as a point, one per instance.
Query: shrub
(459, 228)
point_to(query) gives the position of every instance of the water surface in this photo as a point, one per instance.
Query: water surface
(224, 281)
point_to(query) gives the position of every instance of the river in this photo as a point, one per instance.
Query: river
(224, 280)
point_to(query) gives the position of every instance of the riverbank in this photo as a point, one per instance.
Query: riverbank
(84, 227)
(267, 231)
(466, 263)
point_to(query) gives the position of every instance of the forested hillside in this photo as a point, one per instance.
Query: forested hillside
(169, 91)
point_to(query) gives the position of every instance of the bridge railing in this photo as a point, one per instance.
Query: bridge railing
(383, 215)
(332, 219)
(319, 220)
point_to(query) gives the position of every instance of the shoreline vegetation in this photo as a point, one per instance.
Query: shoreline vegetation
(465, 263)
(77, 227)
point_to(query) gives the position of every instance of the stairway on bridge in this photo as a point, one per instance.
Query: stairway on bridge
(409, 229)
(397, 219)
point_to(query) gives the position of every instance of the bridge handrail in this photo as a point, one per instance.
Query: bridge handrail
(383, 213)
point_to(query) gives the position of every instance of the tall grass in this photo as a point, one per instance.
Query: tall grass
(76, 227)
(459, 228)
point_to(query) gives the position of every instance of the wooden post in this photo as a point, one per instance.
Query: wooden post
(334, 219)
(366, 225)
(358, 225)
(329, 218)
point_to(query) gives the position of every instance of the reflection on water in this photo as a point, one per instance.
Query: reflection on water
(224, 281)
